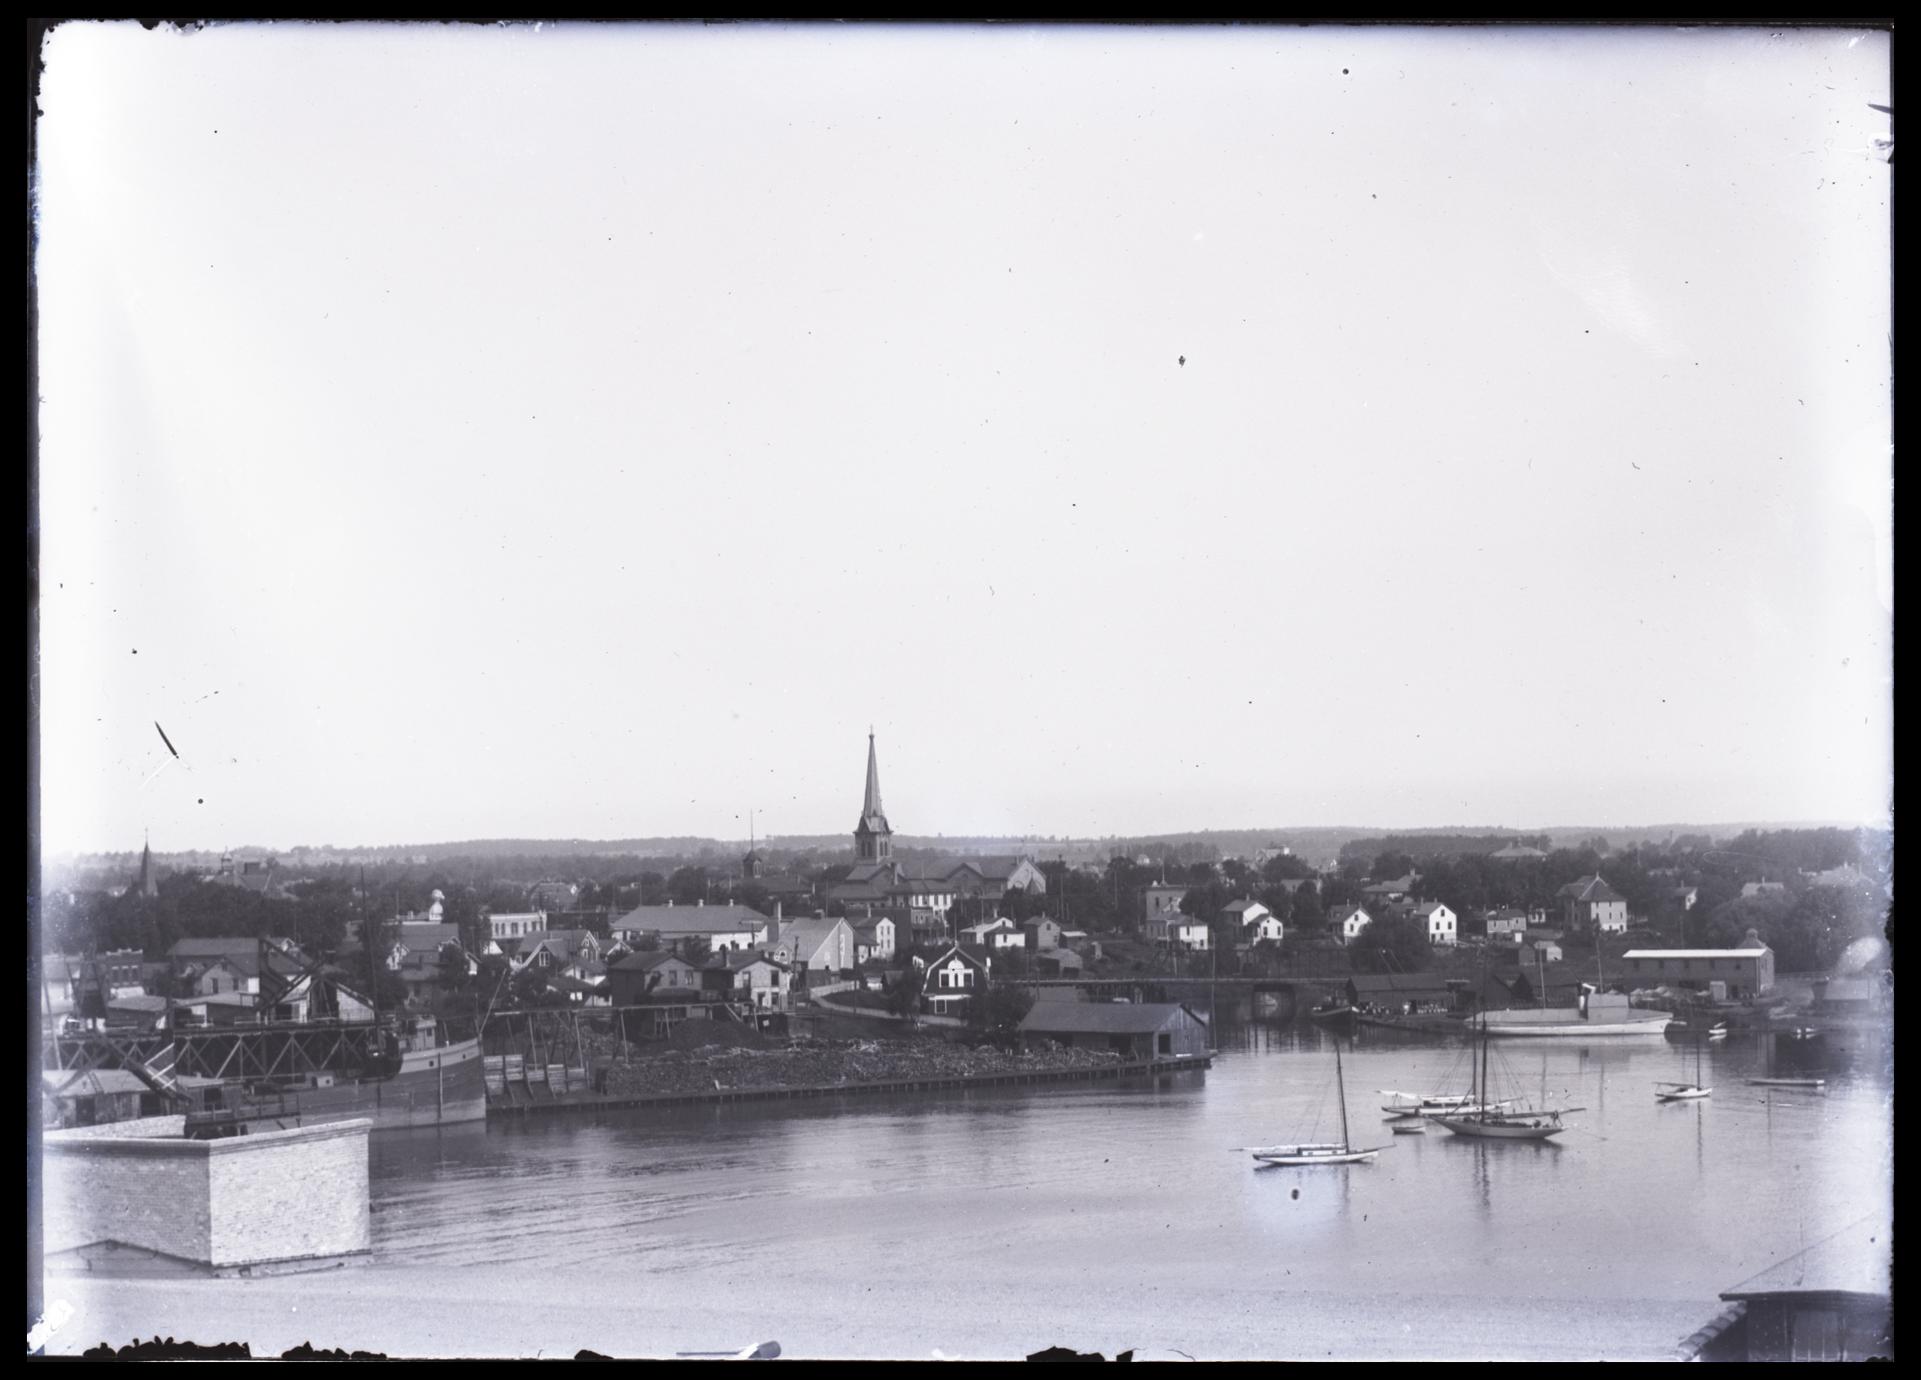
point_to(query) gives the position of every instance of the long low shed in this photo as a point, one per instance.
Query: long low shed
(1132, 1030)
(1747, 971)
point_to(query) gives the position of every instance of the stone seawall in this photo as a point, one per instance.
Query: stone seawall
(243, 1201)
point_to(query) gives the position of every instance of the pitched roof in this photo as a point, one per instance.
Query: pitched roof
(146, 1003)
(1695, 953)
(646, 960)
(973, 956)
(1590, 890)
(680, 921)
(92, 1083)
(804, 937)
(1102, 1018)
(423, 939)
(1852, 1261)
(221, 947)
(1518, 850)
(999, 922)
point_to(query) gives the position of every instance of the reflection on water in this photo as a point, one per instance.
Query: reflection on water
(1635, 1219)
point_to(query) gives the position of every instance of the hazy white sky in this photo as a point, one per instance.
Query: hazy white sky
(589, 431)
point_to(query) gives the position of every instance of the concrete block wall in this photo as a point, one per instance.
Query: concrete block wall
(245, 1200)
(111, 1183)
(290, 1195)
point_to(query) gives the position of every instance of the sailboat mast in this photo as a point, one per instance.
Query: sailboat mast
(1340, 1085)
(1484, 1066)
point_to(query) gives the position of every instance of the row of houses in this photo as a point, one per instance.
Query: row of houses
(1253, 923)
(210, 982)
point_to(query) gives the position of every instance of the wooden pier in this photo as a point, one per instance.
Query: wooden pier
(520, 1098)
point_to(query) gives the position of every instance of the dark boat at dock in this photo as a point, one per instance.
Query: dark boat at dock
(403, 1073)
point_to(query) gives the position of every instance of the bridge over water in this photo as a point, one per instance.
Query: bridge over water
(1153, 988)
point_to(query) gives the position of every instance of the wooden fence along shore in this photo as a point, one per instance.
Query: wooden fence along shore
(507, 1095)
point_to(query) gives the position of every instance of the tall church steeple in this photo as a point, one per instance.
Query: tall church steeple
(148, 883)
(873, 840)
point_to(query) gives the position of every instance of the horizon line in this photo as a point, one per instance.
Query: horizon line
(1169, 835)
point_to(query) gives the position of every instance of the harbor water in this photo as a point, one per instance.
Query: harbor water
(1103, 1217)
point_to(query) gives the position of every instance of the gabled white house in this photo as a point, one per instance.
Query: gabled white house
(953, 978)
(1255, 921)
(1350, 922)
(818, 945)
(996, 934)
(1441, 924)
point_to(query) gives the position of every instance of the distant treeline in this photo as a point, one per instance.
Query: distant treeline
(1422, 847)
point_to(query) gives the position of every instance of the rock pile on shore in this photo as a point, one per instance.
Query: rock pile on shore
(828, 1063)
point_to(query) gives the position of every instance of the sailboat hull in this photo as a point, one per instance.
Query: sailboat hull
(1314, 1154)
(1684, 1094)
(1460, 1109)
(1537, 1029)
(1531, 1129)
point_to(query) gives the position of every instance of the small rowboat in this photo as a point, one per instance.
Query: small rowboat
(1415, 1127)
(1681, 1092)
(1686, 1092)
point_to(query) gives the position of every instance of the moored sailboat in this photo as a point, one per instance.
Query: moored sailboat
(1686, 1092)
(1506, 1122)
(1344, 1153)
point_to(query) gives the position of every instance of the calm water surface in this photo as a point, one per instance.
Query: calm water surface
(1103, 1217)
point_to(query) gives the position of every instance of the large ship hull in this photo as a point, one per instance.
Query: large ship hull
(1543, 1026)
(433, 1087)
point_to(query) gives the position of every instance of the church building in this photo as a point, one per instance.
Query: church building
(919, 894)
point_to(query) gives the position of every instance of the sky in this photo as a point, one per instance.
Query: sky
(593, 431)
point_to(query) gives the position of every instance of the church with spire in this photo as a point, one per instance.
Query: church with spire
(149, 883)
(919, 894)
(873, 840)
